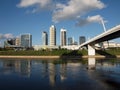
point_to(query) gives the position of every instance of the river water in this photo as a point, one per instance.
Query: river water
(34, 74)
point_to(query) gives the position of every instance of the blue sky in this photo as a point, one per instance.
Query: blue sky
(78, 17)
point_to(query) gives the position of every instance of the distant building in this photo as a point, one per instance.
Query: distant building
(17, 41)
(70, 41)
(75, 43)
(44, 38)
(82, 39)
(26, 40)
(45, 47)
(63, 37)
(9, 42)
(110, 44)
(52, 36)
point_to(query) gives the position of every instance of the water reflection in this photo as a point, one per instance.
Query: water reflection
(60, 74)
(12, 66)
(91, 63)
(57, 73)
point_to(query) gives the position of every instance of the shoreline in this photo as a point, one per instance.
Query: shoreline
(57, 57)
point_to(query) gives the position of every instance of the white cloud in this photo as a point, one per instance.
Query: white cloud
(90, 19)
(6, 36)
(27, 3)
(75, 9)
(36, 4)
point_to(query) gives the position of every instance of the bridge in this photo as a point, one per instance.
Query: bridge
(107, 35)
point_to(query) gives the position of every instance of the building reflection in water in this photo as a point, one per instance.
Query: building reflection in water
(57, 73)
(25, 68)
(63, 72)
(52, 74)
(18, 66)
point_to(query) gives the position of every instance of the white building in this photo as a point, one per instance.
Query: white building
(45, 47)
(52, 36)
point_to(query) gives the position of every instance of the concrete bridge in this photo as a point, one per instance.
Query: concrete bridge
(107, 35)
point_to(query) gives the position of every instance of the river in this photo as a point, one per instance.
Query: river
(83, 74)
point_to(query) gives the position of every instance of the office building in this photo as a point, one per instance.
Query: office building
(63, 37)
(82, 39)
(17, 41)
(44, 38)
(26, 40)
(52, 36)
(70, 41)
(9, 42)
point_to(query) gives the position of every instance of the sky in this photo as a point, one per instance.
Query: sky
(78, 17)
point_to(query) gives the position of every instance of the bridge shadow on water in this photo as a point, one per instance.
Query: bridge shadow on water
(104, 53)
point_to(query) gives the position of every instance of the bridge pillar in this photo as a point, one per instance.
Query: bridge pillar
(91, 50)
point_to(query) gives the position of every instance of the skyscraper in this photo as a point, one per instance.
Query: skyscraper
(82, 39)
(26, 40)
(70, 41)
(52, 35)
(17, 41)
(63, 37)
(44, 38)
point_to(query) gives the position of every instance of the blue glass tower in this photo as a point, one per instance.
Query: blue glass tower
(26, 40)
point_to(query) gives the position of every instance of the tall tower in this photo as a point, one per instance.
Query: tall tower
(63, 37)
(82, 39)
(70, 41)
(52, 35)
(45, 38)
(26, 40)
(17, 41)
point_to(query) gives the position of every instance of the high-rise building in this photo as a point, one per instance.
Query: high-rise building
(70, 41)
(52, 35)
(44, 38)
(63, 37)
(17, 41)
(26, 40)
(82, 39)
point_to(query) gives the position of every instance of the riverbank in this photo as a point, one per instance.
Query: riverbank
(56, 57)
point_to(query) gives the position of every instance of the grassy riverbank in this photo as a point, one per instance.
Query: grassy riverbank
(45, 53)
(62, 52)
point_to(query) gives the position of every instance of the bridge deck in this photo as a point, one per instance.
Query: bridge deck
(108, 35)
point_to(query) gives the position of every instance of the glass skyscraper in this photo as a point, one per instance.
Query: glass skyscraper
(70, 41)
(44, 38)
(63, 37)
(26, 40)
(82, 39)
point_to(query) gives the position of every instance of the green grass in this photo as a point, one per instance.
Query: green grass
(61, 52)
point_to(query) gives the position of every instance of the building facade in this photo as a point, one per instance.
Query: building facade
(82, 39)
(44, 38)
(52, 36)
(26, 40)
(63, 37)
(9, 42)
(17, 41)
(70, 41)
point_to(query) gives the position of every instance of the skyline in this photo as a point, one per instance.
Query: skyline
(22, 16)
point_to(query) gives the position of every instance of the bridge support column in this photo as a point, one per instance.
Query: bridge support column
(91, 50)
